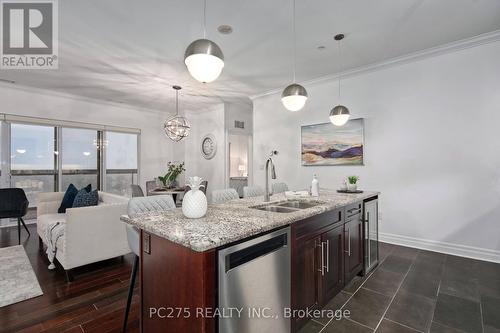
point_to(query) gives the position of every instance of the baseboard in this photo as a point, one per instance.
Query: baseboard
(443, 247)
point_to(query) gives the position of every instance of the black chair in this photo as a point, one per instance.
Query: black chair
(14, 204)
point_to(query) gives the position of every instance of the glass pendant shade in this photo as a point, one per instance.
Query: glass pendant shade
(339, 115)
(176, 127)
(204, 60)
(294, 97)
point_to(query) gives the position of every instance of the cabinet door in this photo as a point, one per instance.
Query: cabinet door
(353, 247)
(333, 251)
(168, 271)
(305, 279)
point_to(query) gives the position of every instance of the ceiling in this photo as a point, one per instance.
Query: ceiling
(132, 51)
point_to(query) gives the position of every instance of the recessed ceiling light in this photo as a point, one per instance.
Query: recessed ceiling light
(225, 29)
(321, 47)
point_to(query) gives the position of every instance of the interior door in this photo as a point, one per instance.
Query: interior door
(333, 279)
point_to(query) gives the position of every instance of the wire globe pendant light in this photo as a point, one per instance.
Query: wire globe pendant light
(294, 96)
(203, 58)
(340, 114)
(176, 127)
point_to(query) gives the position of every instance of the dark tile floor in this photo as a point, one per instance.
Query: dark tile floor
(418, 291)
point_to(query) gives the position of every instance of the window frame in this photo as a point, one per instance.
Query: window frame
(6, 173)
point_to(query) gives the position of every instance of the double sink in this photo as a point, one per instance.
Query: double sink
(287, 206)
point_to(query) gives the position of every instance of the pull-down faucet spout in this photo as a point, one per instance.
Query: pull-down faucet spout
(269, 162)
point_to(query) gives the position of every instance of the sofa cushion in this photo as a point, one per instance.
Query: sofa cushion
(85, 199)
(69, 197)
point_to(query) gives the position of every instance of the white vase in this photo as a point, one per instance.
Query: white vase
(194, 203)
(352, 187)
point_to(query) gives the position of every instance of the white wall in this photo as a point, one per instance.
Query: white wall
(432, 147)
(241, 111)
(156, 148)
(209, 121)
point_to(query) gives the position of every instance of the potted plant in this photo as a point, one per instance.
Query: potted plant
(352, 183)
(173, 171)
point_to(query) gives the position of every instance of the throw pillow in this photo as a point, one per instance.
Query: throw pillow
(69, 197)
(86, 199)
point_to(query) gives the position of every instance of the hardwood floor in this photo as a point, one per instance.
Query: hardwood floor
(94, 302)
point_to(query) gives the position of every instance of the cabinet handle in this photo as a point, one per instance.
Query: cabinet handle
(368, 237)
(328, 256)
(322, 269)
(348, 242)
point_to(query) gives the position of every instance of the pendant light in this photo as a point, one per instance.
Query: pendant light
(203, 58)
(294, 96)
(339, 115)
(176, 127)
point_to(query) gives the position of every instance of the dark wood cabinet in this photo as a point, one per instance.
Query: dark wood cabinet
(332, 280)
(174, 276)
(353, 247)
(317, 256)
(307, 264)
(327, 252)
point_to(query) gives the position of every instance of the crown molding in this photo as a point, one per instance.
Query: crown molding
(486, 38)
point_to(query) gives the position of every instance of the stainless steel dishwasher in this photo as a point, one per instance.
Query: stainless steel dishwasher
(254, 277)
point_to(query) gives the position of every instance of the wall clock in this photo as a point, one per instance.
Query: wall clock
(208, 146)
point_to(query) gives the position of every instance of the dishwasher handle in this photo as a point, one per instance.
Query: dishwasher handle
(255, 251)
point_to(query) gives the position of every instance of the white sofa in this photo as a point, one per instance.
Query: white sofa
(91, 233)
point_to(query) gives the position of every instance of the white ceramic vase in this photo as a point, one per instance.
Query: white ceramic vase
(352, 187)
(194, 203)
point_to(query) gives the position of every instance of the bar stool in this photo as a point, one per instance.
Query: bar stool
(136, 207)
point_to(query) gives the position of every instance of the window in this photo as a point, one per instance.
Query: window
(121, 162)
(80, 160)
(41, 157)
(33, 159)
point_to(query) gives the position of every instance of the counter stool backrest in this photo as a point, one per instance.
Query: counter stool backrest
(220, 196)
(141, 205)
(252, 191)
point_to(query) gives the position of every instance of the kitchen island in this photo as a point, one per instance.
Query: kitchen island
(179, 263)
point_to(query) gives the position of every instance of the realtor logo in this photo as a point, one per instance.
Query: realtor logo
(29, 34)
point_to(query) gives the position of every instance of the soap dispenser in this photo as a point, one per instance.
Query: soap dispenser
(315, 186)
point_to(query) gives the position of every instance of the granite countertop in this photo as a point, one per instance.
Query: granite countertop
(234, 220)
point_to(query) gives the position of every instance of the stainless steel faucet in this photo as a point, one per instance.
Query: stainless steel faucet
(267, 194)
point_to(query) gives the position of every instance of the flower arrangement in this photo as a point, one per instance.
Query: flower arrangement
(173, 171)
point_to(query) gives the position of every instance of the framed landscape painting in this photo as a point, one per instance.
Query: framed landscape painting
(327, 144)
